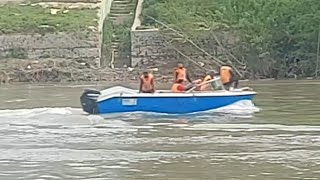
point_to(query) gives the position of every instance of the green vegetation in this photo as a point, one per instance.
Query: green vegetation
(269, 30)
(123, 32)
(17, 53)
(107, 41)
(116, 32)
(17, 19)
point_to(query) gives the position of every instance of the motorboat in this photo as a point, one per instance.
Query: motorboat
(120, 99)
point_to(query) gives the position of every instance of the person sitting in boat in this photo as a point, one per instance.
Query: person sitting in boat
(179, 86)
(180, 72)
(146, 83)
(200, 83)
(227, 77)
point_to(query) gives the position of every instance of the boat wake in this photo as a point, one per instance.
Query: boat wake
(16, 113)
(215, 120)
(241, 109)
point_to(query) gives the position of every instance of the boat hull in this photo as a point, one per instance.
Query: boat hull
(169, 105)
(120, 99)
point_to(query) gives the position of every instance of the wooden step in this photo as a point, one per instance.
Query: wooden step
(115, 42)
(123, 1)
(121, 11)
(118, 15)
(115, 46)
(115, 39)
(123, 6)
(68, 1)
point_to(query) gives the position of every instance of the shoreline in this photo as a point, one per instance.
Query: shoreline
(75, 84)
(84, 72)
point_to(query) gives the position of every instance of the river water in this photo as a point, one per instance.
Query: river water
(45, 135)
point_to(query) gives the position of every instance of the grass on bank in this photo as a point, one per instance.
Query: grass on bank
(28, 19)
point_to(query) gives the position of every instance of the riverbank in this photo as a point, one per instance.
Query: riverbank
(82, 73)
(68, 70)
(78, 71)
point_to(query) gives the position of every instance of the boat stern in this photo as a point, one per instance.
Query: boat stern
(88, 101)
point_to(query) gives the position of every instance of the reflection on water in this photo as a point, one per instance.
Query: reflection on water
(278, 139)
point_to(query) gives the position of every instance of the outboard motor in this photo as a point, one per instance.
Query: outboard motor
(88, 101)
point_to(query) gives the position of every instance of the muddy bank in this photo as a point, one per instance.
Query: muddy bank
(65, 70)
(79, 71)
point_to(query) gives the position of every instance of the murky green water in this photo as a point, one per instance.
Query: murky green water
(45, 135)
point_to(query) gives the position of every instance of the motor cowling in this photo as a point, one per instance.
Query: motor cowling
(88, 101)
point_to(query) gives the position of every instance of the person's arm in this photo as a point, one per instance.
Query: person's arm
(175, 75)
(141, 82)
(152, 85)
(188, 77)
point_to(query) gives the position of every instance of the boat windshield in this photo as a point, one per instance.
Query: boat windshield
(215, 84)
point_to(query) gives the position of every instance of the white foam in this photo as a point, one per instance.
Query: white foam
(37, 111)
(240, 107)
(95, 119)
(243, 107)
(17, 100)
(253, 127)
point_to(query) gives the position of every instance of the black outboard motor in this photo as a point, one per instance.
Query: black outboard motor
(88, 101)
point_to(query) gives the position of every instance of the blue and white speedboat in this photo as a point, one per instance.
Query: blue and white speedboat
(120, 99)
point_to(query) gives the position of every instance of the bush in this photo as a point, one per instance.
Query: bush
(269, 30)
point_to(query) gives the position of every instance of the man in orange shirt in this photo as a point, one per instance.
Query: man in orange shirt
(180, 72)
(227, 77)
(146, 83)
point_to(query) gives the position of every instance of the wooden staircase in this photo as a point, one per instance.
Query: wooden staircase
(121, 14)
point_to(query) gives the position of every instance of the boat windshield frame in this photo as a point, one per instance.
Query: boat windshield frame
(214, 82)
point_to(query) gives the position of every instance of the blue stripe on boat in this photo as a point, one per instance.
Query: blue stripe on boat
(169, 105)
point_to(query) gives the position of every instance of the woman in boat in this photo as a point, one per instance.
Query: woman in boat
(146, 83)
(200, 83)
(179, 87)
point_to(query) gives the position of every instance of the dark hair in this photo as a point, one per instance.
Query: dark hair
(180, 81)
(212, 73)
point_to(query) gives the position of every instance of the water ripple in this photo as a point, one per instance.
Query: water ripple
(64, 143)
